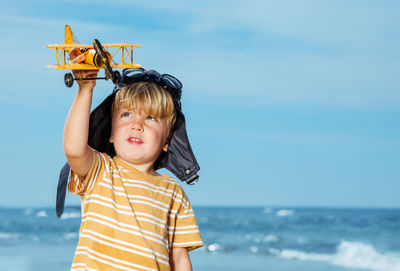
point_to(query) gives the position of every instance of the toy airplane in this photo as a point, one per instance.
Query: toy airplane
(96, 56)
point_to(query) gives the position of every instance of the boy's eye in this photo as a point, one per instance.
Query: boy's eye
(150, 118)
(126, 114)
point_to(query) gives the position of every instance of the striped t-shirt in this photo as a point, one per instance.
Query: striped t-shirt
(130, 219)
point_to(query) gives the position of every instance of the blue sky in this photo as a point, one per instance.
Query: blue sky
(288, 102)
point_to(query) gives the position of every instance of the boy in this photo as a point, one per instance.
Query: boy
(132, 217)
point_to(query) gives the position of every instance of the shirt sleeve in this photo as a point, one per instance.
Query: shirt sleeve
(78, 185)
(186, 231)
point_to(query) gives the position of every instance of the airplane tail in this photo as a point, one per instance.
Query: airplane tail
(68, 37)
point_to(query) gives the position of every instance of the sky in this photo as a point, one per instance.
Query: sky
(288, 103)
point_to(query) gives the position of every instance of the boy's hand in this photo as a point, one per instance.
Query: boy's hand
(85, 84)
(76, 57)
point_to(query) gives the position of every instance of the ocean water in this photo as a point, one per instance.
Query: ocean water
(254, 238)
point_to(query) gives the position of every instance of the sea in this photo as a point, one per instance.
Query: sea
(236, 238)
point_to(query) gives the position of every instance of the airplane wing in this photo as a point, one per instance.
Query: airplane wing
(68, 46)
(81, 66)
(125, 66)
(73, 66)
(111, 45)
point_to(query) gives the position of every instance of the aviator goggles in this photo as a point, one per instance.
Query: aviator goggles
(167, 81)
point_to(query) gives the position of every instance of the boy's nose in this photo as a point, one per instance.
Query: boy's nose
(137, 124)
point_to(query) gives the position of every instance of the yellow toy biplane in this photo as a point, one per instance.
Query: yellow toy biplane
(96, 56)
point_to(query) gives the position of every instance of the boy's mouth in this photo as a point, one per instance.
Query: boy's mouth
(135, 140)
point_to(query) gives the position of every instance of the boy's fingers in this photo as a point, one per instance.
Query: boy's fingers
(91, 74)
(78, 59)
(73, 53)
(76, 56)
(92, 71)
(85, 73)
(78, 73)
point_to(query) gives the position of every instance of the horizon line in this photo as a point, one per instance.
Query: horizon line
(273, 206)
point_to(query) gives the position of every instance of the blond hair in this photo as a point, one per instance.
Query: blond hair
(148, 97)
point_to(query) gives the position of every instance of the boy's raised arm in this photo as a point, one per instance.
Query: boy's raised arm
(76, 129)
(179, 259)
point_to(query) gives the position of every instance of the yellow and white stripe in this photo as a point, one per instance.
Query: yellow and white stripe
(130, 220)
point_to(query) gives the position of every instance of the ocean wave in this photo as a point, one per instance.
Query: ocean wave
(284, 212)
(355, 255)
(71, 215)
(41, 214)
(253, 249)
(8, 236)
(34, 238)
(215, 247)
(270, 239)
(70, 235)
(302, 240)
(15, 237)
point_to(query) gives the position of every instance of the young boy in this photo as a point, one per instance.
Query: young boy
(132, 217)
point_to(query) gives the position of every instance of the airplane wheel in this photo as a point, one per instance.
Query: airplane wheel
(68, 79)
(103, 59)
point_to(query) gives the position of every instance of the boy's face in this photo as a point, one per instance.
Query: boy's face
(138, 138)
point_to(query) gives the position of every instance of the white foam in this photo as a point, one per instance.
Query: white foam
(355, 255)
(271, 238)
(364, 256)
(284, 212)
(41, 214)
(302, 240)
(71, 215)
(300, 255)
(34, 238)
(8, 236)
(70, 235)
(254, 249)
(214, 247)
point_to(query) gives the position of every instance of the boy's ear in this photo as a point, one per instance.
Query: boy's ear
(165, 148)
(111, 140)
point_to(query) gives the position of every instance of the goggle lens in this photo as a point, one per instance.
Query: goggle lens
(134, 73)
(171, 81)
(167, 81)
